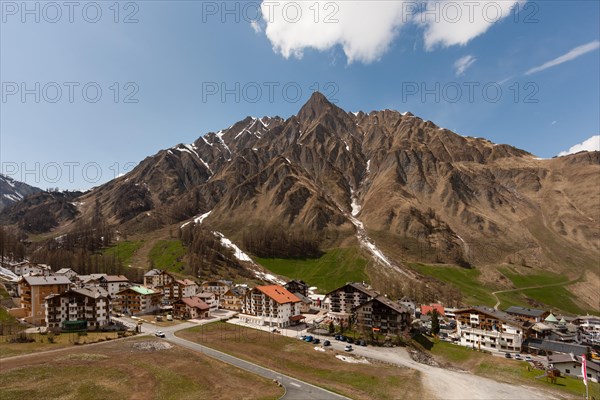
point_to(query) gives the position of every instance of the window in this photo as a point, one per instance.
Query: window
(567, 371)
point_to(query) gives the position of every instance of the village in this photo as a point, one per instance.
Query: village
(354, 314)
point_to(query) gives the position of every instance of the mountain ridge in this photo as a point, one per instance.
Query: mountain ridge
(424, 192)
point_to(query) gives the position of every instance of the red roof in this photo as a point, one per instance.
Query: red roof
(297, 317)
(426, 309)
(195, 302)
(278, 293)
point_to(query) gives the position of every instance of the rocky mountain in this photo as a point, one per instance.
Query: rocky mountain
(400, 187)
(12, 191)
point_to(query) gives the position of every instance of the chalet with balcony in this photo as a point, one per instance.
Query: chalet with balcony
(78, 309)
(297, 286)
(527, 314)
(190, 308)
(232, 299)
(271, 305)
(138, 300)
(218, 287)
(113, 284)
(382, 315)
(178, 289)
(35, 289)
(342, 301)
(157, 279)
(489, 329)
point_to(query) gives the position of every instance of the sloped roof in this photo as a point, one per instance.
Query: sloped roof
(303, 298)
(115, 278)
(558, 347)
(205, 295)
(153, 272)
(195, 302)
(64, 271)
(47, 280)
(140, 289)
(278, 293)
(529, 312)
(186, 282)
(500, 315)
(570, 358)
(551, 318)
(397, 307)
(369, 291)
(426, 309)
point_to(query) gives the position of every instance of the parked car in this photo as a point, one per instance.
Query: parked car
(337, 337)
(309, 338)
(528, 358)
(302, 337)
(362, 343)
(343, 338)
(348, 347)
(518, 357)
(349, 340)
(316, 341)
(159, 334)
(327, 343)
(507, 355)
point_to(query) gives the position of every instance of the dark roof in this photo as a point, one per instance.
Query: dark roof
(553, 346)
(303, 298)
(297, 282)
(529, 312)
(399, 308)
(359, 286)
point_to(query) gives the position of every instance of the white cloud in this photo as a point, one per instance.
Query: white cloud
(364, 29)
(571, 55)
(591, 144)
(451, 22)
(463, 63)
(553, 123)
(256, 26)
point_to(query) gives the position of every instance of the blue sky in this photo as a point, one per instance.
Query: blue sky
(376, 55)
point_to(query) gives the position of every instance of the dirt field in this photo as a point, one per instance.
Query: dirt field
(127, 370)
(374, 380)
(43, 342)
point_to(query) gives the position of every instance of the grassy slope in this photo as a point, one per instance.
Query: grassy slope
(333, 269)
(477, 293)
(168, 255)
(299, 359)
(500, 369)
(465, 279)
(124, 250)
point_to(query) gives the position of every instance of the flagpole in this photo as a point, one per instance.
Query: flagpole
(584, 373)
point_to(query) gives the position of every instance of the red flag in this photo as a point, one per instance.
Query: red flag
(584, 369)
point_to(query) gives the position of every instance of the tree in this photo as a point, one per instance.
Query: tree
(331, 328)
(435, 322)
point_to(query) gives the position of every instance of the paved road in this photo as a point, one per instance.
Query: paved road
(294, 389)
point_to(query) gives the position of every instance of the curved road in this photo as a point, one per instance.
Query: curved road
(294, 389)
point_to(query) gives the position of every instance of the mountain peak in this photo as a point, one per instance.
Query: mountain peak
(315, 106)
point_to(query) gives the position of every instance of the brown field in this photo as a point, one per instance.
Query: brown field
(299, 359)
(42, 342)
(117, 370)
